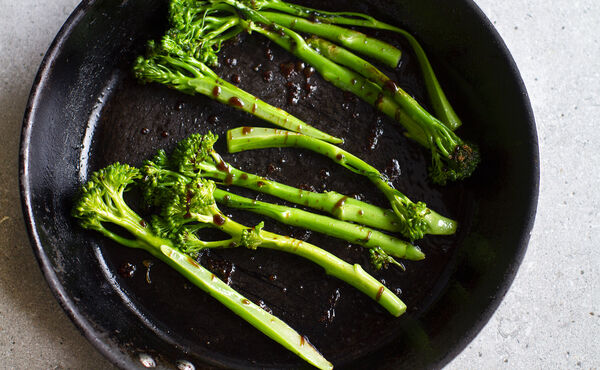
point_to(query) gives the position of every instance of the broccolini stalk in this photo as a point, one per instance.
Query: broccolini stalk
(417, 218)
(326, 225)
(441, 106)
(157, 175)
(451, 158)
(186, 203)
(169, 65)
(101, 203)
(434, 131)
(196, 155)
(351, 39)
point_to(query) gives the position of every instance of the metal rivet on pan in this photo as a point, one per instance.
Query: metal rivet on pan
(185, 365)
(147, 360)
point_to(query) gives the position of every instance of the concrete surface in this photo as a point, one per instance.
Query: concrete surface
(551, 316)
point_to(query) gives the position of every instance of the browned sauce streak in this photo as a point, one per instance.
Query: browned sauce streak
(218, 220)
(379, 293)
(390, 86)
(221, 166)
(236, 102)
(340, 203)
(194, 263)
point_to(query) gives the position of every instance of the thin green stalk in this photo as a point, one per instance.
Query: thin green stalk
(341, 206)
(353, 40)
(187, 203)
(440, 105)
(354, 275)
(351, 81)
(191, 76)
(326, 225)
(388, 87)
(417, 218)
(268, 324)
(101, 202)
(451, 158)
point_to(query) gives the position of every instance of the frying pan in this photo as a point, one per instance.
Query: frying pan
(86, 111)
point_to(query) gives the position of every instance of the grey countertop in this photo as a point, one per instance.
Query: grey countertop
(550, 318)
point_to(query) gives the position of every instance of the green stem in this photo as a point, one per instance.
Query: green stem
(351, 39)
(439, 102)
(204, 81)
(408, 115)
(346, 58)
(417, 218)
(339, 229)
(340, 206)
(268, 324)
(354, 275)
(164, 250)
(389, 88)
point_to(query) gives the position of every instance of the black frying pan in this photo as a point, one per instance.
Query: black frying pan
(86, 111)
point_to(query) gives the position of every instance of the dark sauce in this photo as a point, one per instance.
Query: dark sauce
(236, 102)
(218, 220)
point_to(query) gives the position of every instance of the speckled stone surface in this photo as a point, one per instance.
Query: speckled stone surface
(551, 316)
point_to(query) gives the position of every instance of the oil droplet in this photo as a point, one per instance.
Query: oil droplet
(185, 365)
(127, 270)
(268, 76)
(147, 360)
(236, 102)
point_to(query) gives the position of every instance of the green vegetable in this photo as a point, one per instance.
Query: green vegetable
(452, 158)
(186, 205)
(191, 159)
(351, 39)
(101, 206)
(326, 225)
(166, 63)
(159, 172)
(441, 106)
(196, 155)
(417, 218)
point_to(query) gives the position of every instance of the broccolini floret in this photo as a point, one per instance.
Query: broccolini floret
(101, 207)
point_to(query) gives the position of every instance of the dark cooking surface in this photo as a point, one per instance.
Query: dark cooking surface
(90, 104)
(340, 321)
